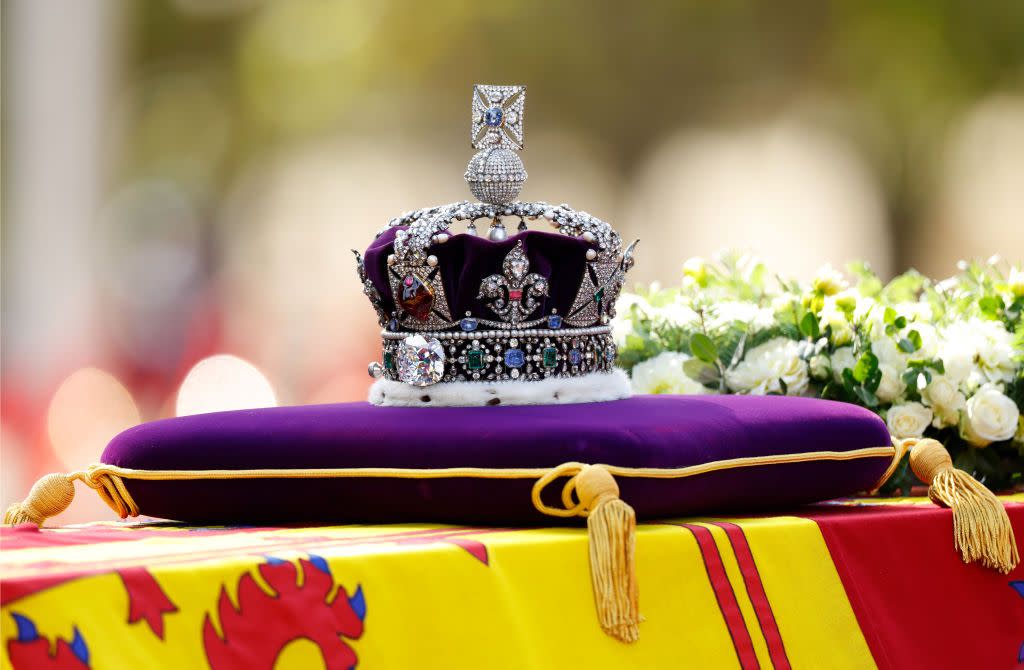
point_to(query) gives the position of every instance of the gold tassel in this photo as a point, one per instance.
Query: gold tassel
(611, 526)
(49, 496)
(981, 528)
(53, 494)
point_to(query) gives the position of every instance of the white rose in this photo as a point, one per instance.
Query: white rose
(908, 419)
(819, 366)
(842, 358)
(891, 387)
(945, 399)
(991, 417)
(664, 374)
(764, 365)
(889, 354)
(995, 351)
(978, 351)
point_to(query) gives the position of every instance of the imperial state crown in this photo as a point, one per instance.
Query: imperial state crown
(495, 317)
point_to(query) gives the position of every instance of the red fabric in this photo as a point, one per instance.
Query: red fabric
(917, 603)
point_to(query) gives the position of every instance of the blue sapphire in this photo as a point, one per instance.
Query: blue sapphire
(554, 322)
(393, 325)
(575, 357)
(609, 354)
(493, 116)
(468, 324)
(514, 358)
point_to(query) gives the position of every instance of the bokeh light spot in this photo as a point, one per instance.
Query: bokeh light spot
(89, 408)
(223, 382)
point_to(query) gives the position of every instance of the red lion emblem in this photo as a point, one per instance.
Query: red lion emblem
(30, 650)
(255, 634)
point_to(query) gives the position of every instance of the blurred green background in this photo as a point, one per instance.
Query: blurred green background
(184, 179)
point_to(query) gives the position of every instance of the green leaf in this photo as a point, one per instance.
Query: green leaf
(700, 371)
(783, 386)
(900, 322)
(809, 326)
(873, 380)
(868, 398)
(866, 364)
(991, 306)
(703, 348)
(889, 316)
(910, 343)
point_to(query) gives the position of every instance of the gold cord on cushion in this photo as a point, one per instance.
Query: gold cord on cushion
(611, 531)
(981, 527)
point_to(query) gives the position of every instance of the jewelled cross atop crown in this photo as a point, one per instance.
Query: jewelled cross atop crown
(467, 308)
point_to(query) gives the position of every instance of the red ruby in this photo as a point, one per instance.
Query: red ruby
(515, 294)
(417, 298)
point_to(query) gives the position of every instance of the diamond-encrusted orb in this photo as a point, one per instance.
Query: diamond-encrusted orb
(417, 298)
(493, 117)
(496, 175)
(420, 361)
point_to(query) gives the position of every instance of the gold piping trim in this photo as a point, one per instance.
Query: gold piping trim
(490, 473)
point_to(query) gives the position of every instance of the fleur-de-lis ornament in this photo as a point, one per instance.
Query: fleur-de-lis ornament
(515, 294)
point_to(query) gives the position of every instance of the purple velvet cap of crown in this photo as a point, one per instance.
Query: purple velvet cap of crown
(465, 260)
(643, 431)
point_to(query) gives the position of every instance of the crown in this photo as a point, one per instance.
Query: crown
(468, 314)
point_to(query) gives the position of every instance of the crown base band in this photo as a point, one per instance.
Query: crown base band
(496, 356)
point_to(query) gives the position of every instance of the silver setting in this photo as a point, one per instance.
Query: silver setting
(492, 334)
(515, 294)
(424, 224)
(495, 175)
(430, 275)
(375, 370)
(486, 357)
(508, 104)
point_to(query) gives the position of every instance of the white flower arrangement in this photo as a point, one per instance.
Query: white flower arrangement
(936, 359)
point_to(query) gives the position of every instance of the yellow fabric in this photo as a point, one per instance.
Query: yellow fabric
(434, 604)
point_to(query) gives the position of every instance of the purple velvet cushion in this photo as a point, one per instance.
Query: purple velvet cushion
(644, 431)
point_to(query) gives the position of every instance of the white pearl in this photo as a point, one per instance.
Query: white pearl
(392, 259)
(589, 237)
(442, 238)
(591, 254)
(497, 233)
(432, 261)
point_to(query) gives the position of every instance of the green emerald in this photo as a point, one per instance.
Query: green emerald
(550, 357)
(475, 359)
(389, 360)
(599, 296)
